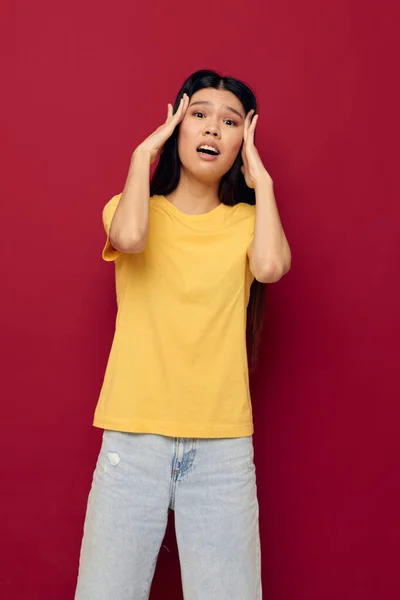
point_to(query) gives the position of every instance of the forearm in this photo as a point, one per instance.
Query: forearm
(270, 253)
(130, 224)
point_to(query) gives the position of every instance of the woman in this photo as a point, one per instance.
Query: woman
(175, 402)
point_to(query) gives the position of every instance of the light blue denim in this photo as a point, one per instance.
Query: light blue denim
(210, 483)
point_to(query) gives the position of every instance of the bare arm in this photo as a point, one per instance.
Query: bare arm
(269, 253)
(130, 224)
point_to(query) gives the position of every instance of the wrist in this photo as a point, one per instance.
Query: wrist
(263, 180)
(140, 155)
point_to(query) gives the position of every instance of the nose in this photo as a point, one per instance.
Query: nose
(212, 130)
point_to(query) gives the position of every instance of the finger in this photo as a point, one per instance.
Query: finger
(174, 114)
(179, 107)
(247, 124)
(253, 127)
(245, 130)
(169, 112)
(173, 118)
(254, 122)
(183, 105)
(187, 102)
(249, 116)
(244, 158)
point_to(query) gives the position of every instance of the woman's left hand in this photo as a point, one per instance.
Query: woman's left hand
(252, 168)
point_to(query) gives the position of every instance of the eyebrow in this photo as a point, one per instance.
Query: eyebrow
(228, 107)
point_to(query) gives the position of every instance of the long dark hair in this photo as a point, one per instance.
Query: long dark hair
(232, 188)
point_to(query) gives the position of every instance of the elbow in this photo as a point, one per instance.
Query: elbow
(129, 243)
(272, 269)
(271, 273)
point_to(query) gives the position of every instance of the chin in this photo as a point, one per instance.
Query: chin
(207, 172)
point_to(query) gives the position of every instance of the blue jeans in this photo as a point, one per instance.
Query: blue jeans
(210, 483)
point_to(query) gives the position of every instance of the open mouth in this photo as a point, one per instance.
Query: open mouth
(206, 149)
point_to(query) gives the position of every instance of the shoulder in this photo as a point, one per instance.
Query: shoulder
(156, 200)
(242, 211)
(247, 210)
(111, 206)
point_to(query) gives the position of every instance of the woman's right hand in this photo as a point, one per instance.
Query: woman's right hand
(153, 145)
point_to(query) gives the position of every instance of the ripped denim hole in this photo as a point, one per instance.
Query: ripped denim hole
(113, 458)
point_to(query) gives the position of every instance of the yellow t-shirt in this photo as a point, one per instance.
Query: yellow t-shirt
(178, 362)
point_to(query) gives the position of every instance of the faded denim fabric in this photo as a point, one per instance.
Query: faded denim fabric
(210, 484)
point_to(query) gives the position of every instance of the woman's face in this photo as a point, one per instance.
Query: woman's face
(214, 119)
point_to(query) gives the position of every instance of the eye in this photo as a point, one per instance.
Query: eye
(231, 121)
(198, 113)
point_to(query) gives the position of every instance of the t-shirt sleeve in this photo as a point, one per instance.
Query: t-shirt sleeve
(109, 252)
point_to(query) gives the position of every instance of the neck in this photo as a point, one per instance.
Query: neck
(193, 196)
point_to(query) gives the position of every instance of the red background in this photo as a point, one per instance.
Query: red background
(83, 85)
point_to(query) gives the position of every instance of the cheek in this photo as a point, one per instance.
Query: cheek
(238, 140)
(234, 147)
(185, 138)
